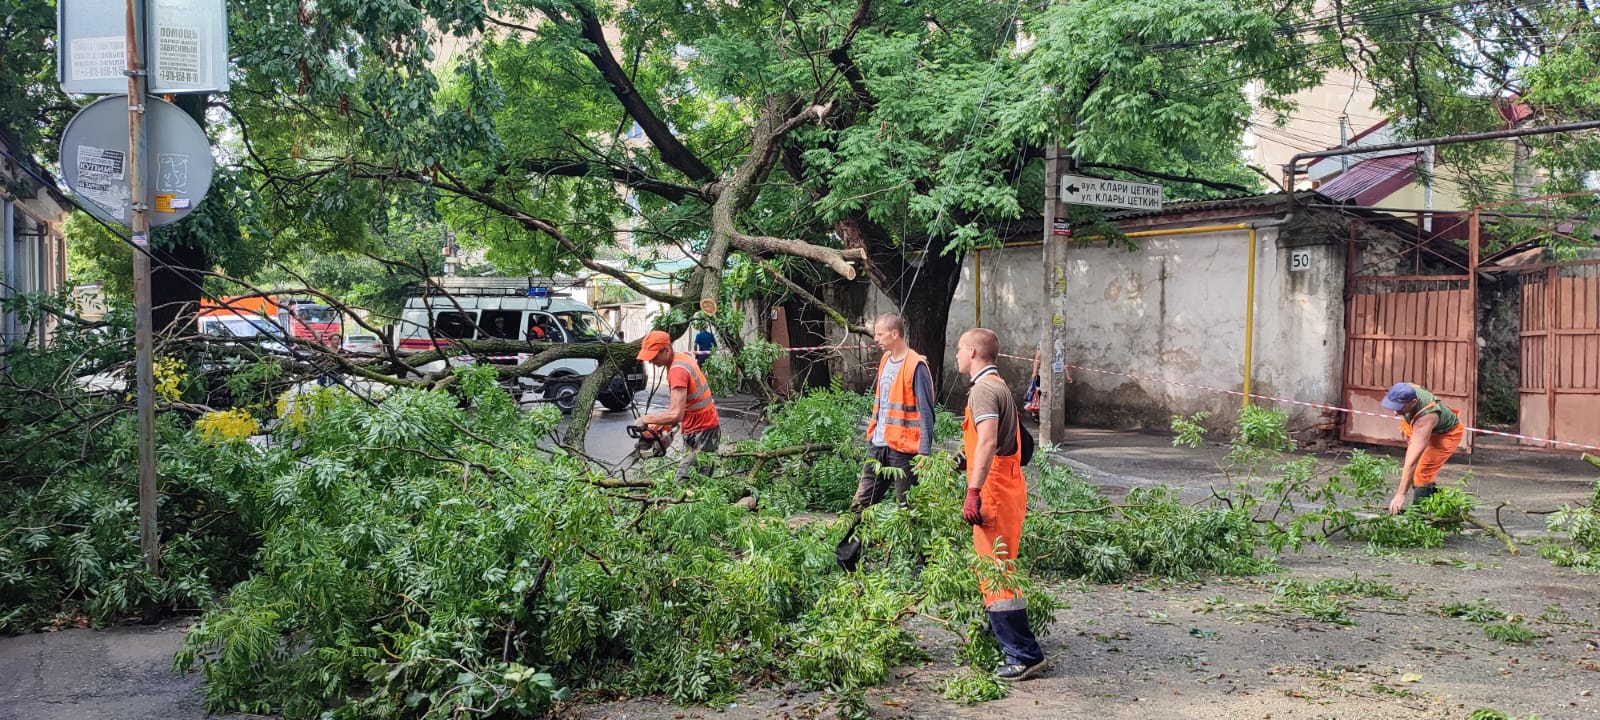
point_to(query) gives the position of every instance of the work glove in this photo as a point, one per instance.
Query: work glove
(971, 510)
(961, 461)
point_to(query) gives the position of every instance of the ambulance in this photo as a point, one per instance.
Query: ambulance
(516, 309)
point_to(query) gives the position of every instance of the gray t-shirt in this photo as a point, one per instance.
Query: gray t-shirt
(990, 399)
(885, 386)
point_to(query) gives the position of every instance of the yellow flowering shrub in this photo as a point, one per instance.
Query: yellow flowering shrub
(225, 425)
(169, 376)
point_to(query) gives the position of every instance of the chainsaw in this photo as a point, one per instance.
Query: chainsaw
(650, 440)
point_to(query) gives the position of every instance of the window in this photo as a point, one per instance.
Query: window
(580, 325)
(454, 325)
(319, 314)
(499, 324)
(543, 327)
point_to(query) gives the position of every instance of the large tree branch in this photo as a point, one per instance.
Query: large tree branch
(628, 175)
(672, 150)
(814, 301)
(738, 193)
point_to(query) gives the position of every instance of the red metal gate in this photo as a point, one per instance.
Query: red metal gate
(1560, 368)
(1412, 330)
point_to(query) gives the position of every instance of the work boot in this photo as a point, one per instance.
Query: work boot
(1016, 670)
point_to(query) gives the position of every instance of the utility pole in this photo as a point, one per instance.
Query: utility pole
(144, 365)
(1053, 341)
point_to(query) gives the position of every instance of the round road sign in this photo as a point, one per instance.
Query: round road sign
(94, 153)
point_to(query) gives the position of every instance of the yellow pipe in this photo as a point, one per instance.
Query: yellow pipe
(1249, 316)
(1250, 279)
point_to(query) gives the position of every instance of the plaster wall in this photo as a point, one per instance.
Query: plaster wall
(1174, 310)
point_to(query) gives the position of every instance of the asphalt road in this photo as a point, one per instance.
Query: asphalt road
(126, 673)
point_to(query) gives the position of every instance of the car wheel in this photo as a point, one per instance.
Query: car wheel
(563, 394)
(616, 402)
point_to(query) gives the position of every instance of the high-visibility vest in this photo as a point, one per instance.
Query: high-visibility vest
(902, 424)
(699, 390)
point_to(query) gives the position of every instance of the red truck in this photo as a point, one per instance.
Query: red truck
(299, 318)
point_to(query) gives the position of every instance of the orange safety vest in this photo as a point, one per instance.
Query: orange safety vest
(699, 390)
(903, 431)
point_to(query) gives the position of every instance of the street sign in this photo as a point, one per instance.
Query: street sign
(185, 44)
(94, 152)
(1080, 190)
(187, 50)
(91, 47)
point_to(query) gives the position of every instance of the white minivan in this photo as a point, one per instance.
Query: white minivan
(515, 309)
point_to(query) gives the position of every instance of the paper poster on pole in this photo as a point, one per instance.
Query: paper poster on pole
(185, 46)
(91, 48)
(188, 50)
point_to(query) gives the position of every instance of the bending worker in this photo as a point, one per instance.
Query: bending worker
(691, 406)
(997, 497)
(901, 423)
(1433, 432)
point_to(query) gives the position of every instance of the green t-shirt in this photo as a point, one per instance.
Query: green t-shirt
(1427, 403)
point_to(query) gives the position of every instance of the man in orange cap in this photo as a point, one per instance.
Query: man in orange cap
(691, 406)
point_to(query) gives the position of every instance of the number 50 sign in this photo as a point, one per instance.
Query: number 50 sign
(1299, 260)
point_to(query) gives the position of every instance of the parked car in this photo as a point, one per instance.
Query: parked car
(515, 309)
(363, 344)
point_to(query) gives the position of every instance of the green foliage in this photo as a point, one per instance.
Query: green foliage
(1188, 431)
(1581, 550)
(69, 533)
(1511, 633)
(971, 687)
(1329, 600)
(1301, 500)
(1081, 532)
(1493, 714)
(826, 481)
(1478, 611)
(402, 583)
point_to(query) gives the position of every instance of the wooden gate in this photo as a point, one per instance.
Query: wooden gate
(1417, 329)
(1560, 368)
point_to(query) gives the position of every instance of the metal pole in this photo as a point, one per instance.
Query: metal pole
(1053, 341)
(144, 366)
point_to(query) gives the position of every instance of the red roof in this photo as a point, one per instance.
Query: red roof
(1372, 180)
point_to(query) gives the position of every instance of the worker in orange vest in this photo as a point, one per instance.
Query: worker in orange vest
(997, 498)
(1432, 431)
(690, 406)
(901, 424)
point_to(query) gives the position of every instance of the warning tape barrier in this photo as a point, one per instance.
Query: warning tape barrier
(1303, 403)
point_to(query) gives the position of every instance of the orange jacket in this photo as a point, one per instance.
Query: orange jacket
(904, 426)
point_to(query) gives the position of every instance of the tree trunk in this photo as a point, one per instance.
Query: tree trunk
(175, 282)
(178, 258)
(922, 294)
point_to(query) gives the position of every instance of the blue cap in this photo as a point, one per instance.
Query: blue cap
(1399, 395)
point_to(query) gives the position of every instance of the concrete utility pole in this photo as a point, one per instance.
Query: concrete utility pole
(144, 365)
(1053, 341)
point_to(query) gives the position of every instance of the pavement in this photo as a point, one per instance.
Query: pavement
(126, 672)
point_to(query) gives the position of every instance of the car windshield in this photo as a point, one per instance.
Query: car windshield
(580, 325)
(320, 314)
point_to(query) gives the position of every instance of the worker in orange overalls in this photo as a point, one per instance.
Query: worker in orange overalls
(997, 497)
(1432, 430)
